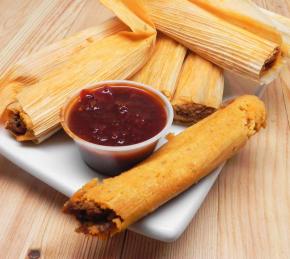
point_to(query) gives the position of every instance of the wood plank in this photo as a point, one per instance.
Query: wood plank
(254, 205)
(50, 21)
(9, 24)
(35, 221)
(283, 83)
(281, 6)
(91, 15)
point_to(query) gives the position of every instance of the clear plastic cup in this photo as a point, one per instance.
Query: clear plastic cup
(112, 160)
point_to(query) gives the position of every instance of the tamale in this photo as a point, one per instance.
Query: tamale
(247, 14)
(27, 71)
(37, 106)
(243, 13)
(163, 68)
(199, 90)
(227, 44)
(106, 208)
(282, 24)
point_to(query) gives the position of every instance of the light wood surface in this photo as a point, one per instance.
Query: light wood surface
(246, 214)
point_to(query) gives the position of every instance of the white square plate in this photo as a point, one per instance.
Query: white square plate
(58, 163)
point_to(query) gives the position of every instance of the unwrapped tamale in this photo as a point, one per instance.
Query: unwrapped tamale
(199, 90)
(163, 68)
(108, 207)
(35, 113)
(225, 37)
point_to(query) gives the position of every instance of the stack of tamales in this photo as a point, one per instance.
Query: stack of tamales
(233, 34)
(192, 84)
(202, 38)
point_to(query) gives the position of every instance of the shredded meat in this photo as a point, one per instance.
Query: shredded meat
(93, 216)
(271, 60)
(16, 125)
(192, 114)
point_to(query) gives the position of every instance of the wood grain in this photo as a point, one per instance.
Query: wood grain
(246, 214)
(9, 25)
(35, 221)
(92, 14)
(283, 82)
(48, 22)
(254, 191)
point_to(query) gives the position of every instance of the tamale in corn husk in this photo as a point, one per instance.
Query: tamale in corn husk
(282, 24)
(199, 90)
(27, 71)
(247, 14)
(199, 83)
(163, 68)
(227, 43)
(242, 13)
(107, 208)
(35, 113)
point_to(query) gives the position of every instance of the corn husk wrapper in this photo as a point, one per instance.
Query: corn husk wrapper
(114, 57)
(179, 164)
(244, 14)
(199, 90)
(163, 68)
(27, 71)
(228, 44)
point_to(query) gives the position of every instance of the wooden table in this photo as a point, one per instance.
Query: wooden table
(246, 214)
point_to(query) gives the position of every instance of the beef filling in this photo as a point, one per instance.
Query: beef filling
(270, 61)
(194, 115)
(16, 125)
(100, 218)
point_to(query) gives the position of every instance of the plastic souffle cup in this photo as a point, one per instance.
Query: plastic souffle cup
(112, 160)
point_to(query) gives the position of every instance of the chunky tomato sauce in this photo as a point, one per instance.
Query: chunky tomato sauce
(117, 116)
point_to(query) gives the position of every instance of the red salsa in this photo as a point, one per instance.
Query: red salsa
(117, 116)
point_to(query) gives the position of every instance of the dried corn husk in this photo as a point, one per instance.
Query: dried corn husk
(115, 57)
(243, 13)
(163, 68)
(247, 14)
(26, 71)
(199, 90)
(228, 44)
